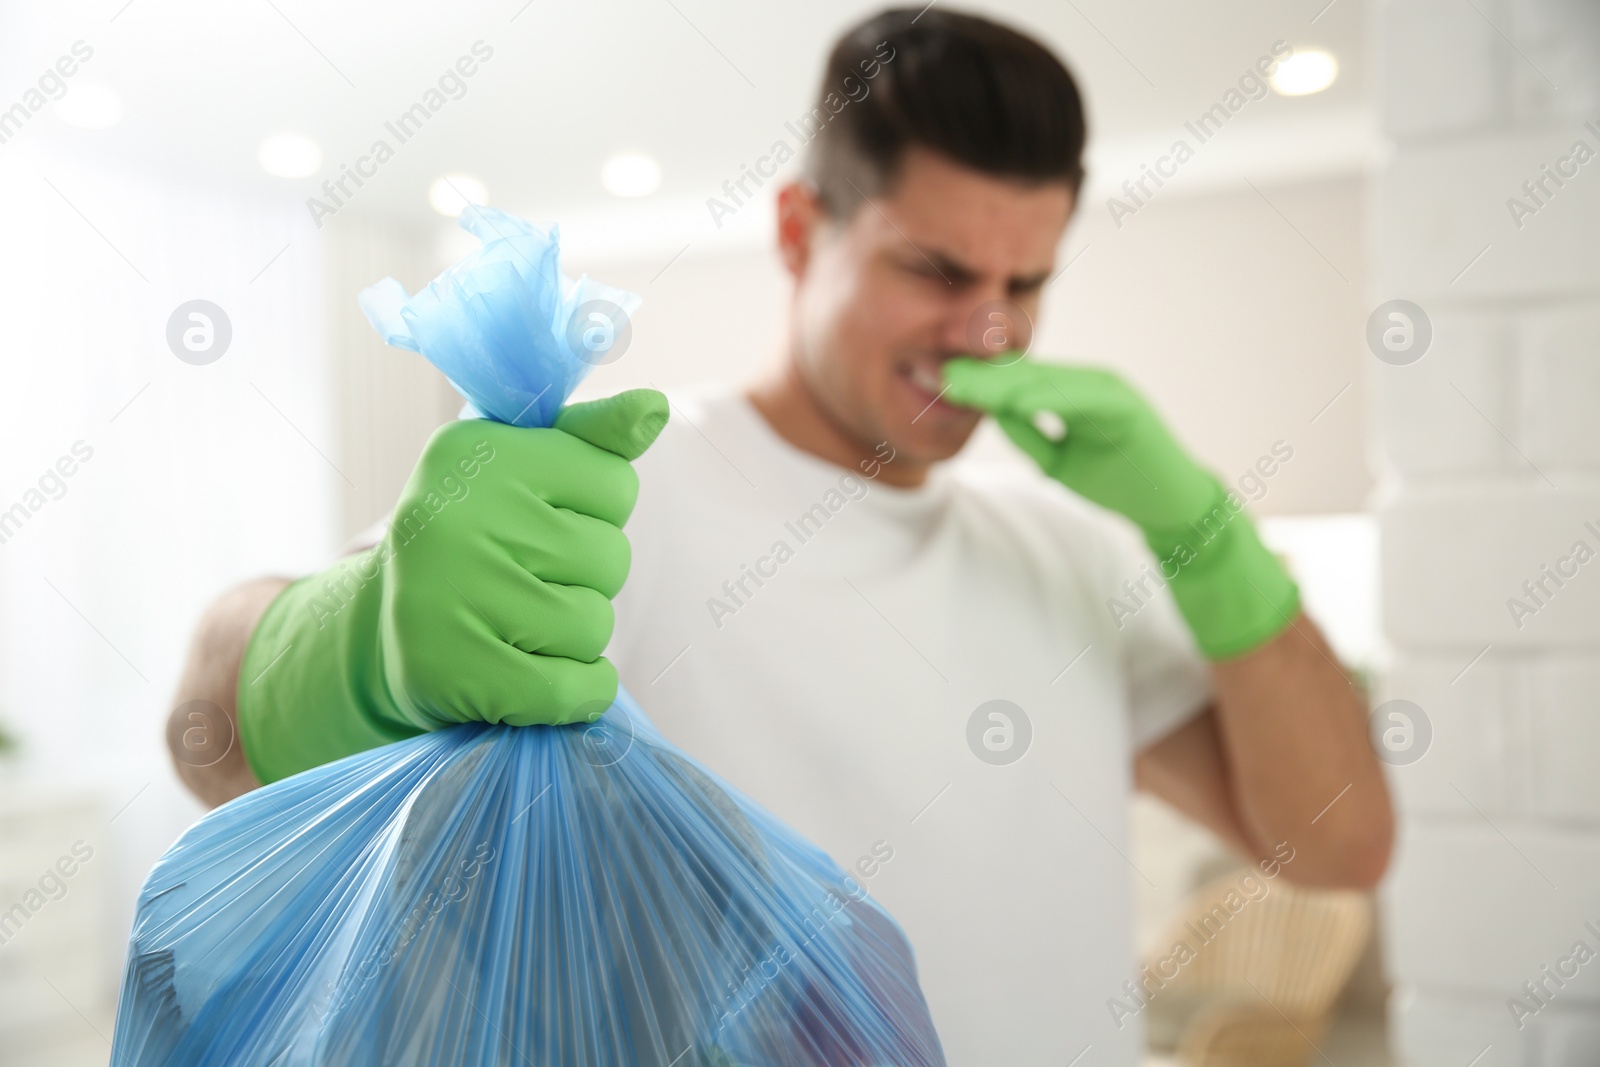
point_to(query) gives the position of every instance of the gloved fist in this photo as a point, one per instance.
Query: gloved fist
(1116, 451)
(488, 599)
(497, 606)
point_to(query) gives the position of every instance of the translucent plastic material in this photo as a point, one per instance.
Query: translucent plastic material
(504, 324)
(502, 895)
(550, 896)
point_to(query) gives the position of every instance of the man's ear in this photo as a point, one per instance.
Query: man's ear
(800, 215)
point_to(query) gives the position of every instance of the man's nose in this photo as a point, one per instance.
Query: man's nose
(986, 323)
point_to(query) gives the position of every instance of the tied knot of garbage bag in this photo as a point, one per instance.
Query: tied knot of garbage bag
(513, 334)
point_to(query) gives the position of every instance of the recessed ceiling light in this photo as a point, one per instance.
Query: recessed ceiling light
(89, 106)
(630, 174)
(289, 155)
(1305, 73)
(452, 193)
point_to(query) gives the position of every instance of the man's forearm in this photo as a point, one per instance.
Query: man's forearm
(1301, 769)
(203, 729)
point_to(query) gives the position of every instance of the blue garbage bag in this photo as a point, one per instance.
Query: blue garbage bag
(482, 894)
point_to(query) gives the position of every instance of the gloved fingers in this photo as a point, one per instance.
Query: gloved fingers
(484, 679)
(480, 466)
(568, 472)
(625, 424)
(533, 540)
(1092, 394)
(565, 547)
(549, 690)
(528, 689)
(1026, 436)
(568, 548)
(993, 385)
(510, 605)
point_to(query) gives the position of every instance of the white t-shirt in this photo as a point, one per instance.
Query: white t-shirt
(835, 677)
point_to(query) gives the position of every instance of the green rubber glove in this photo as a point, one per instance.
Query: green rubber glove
(1116, 452)
(488, 599)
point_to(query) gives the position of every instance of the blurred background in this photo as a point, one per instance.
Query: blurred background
(159, 153)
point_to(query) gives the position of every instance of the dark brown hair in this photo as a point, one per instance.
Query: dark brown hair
(972, 90)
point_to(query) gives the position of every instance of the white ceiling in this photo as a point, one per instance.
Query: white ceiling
(702, 85)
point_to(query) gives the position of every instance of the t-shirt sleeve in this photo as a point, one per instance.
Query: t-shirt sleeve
(1169, 681)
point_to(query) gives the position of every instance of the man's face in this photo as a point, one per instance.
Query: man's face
(911, 279)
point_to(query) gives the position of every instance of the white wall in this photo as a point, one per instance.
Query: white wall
(200, 476)
(1492, 472)
(389, 400)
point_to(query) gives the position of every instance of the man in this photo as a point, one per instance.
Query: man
(949, 678)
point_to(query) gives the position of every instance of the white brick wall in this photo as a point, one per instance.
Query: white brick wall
(1454, 555)
(1443, 204)
(1562, 74)
(1492, 462)
(1471, 1030)
(1561, 378)
(1430, 410)
(1469, 750)
(1564, 724)
(1458, 74)
(1491, 900)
